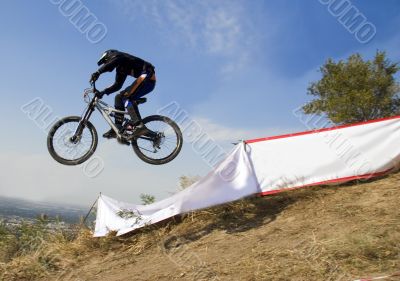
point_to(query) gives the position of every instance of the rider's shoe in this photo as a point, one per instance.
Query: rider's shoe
(110, 134)
(139, 130)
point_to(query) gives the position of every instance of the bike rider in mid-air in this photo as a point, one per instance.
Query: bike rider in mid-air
(126, 64)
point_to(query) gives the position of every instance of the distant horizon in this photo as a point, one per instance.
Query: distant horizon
(24, 209)
(54, 203)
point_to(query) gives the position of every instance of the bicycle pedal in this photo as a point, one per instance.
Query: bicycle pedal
(123, 141)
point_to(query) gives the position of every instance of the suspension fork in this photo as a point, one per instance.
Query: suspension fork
(78, 132)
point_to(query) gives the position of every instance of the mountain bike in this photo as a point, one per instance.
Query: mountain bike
(73, 140)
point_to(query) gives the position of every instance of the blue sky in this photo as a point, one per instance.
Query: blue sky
(239, 68)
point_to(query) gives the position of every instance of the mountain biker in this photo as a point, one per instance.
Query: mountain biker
(126, 64)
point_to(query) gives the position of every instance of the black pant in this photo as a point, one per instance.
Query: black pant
(121, 102)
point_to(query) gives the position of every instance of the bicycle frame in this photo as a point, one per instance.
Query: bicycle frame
(104, 109)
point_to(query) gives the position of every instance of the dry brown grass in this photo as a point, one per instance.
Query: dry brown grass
(322, 233)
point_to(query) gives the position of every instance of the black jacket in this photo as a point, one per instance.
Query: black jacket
(125, 64)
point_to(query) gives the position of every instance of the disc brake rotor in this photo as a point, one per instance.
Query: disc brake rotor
(159, 140)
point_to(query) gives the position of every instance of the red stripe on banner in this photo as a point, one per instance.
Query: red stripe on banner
(321, 130)
(344, 179)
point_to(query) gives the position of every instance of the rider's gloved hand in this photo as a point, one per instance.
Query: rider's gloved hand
(94, 76)
(99, 95)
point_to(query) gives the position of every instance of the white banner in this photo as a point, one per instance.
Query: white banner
(326, 156)
(270, 165)
(231, 180)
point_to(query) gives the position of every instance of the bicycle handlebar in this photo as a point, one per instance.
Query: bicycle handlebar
(93, 84)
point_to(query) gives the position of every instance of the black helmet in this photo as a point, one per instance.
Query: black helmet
(106, 56)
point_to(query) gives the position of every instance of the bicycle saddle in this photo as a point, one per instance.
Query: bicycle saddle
(140, 100)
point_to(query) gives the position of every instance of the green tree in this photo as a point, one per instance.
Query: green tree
(147, 199)
(355, 90)
(186, 181)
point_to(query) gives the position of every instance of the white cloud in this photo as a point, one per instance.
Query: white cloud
(221, 133)
(219, 28)
(222, 31)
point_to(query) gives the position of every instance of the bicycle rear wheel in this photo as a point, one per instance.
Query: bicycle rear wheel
(161, 144)
(67, 150)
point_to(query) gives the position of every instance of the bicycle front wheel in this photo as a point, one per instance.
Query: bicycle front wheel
(68, 149)
(162, 142)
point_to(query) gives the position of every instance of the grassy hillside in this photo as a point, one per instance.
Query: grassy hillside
(342, 232)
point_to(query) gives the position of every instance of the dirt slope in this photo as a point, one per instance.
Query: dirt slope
(321, 233)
